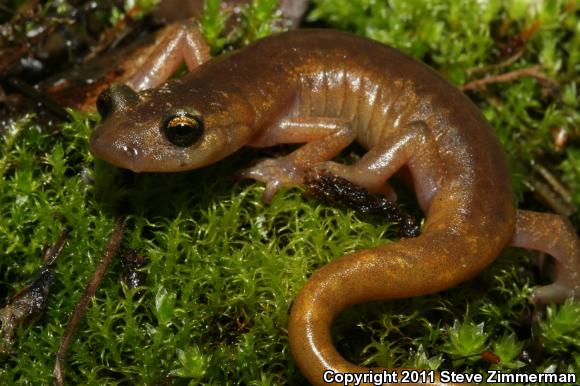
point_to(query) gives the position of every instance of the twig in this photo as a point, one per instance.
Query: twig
(81, 307)
(116, 31)
(335, 190)
(555, 184)
(548, 197)
(37, 96)
(533, 72)
(53, 252)
(497, 66)
(552, 192)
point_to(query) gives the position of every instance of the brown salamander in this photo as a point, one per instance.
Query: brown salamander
(327, 89)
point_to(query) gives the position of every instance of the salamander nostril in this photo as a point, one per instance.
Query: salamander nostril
(131, 151)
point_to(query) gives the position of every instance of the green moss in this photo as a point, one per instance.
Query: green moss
(257, 19)
(466, 340)
(508, 349)
(224, 268)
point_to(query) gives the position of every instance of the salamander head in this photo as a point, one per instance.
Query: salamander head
(173, 128)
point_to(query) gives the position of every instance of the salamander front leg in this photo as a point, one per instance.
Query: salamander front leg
(324, 137)
(554, 235)
(178, 42)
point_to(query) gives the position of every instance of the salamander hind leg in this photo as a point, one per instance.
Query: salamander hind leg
(554, 235)
(324, 138)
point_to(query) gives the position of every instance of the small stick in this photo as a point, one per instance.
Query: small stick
(37, 96)
(335, 190)
(549, 197)
(533, 72)
(53, 252)
(555, 184)
(81, 307)
(108, 36)
(496, 66)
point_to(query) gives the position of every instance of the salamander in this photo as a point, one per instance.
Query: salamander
(326, 89)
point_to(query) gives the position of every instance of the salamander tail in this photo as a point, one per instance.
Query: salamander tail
(411, 267)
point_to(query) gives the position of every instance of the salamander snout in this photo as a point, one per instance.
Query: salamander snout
(108, 145)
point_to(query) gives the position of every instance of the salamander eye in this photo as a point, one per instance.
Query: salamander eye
(183, 129)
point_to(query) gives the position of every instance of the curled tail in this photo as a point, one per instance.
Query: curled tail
(434, 261)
